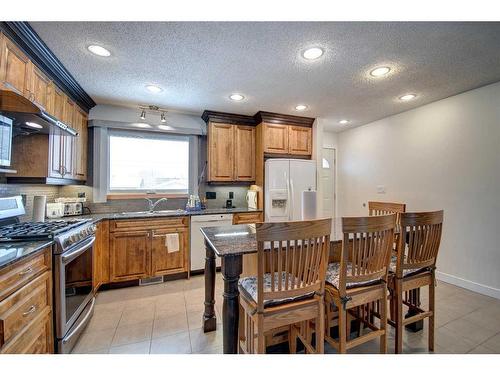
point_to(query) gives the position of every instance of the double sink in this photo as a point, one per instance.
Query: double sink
(152, 213)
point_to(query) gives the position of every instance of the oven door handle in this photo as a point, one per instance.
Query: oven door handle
(69, 256)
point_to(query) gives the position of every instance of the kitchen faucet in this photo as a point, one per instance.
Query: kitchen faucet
(153, 204)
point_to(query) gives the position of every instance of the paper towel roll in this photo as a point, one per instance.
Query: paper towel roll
(39, 203)
(308, 205)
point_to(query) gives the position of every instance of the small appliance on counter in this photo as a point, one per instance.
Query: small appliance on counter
(72, 206)
(55, 210)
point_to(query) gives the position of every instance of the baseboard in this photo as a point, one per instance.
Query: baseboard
(467, 284)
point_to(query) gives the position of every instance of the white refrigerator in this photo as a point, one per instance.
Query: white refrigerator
(285, 180)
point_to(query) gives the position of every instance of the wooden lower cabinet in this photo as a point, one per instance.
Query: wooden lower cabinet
(101, 255)
(248, 217)
(26, 306)
(130, 255)
(164, 261)
(138, 248)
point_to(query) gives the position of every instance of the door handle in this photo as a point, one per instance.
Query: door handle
(30, 311)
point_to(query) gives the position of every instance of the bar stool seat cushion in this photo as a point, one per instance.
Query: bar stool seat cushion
(407, 271)
(333, 276)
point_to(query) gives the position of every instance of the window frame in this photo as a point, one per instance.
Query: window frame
(142, 193)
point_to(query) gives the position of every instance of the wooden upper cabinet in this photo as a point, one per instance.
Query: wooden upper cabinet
(275, 138)
(220, 152)
(68, 142)
(299, 140)
(129, 255)
(15, 68)
(244, 153)
(40, 88)
(80, 155)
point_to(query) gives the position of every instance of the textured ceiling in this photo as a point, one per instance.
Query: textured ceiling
(200, 63)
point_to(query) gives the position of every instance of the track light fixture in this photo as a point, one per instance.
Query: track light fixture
(143, 115)
(155, 110)
(163, 119)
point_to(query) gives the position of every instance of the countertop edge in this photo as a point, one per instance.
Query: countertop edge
(37, 246)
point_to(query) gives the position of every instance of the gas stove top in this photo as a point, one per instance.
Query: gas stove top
(30, 231)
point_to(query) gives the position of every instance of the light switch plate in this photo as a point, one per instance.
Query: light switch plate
(380, 189)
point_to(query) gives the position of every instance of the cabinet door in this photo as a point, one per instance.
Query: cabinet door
(275, 138)
(14, 68)
(166, 261)
(220, 152)
(299, 140)
(80, 157)
(130, 255)
(68, 142)
(244, 153)
(40, 88)
(101, 255)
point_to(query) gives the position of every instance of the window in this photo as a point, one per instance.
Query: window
(144, 163)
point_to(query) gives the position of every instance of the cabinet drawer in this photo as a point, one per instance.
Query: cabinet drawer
(21, 273)
(141, 224)
(24, 306)
(247, 218)
(34, 339)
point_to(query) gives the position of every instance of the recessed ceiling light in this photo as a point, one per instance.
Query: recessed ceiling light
(99, 51)
(141, 125)
(407, 97)
(236, 97)
(301, 107)
(165, 127)
(343, 122)
(380, 71)
(312, 53)
(34, 125)
(154, 89)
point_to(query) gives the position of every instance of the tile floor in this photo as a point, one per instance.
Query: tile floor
(166, 318)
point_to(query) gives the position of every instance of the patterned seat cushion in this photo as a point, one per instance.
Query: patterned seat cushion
(333, 275)
(249, 284)
(406, 272)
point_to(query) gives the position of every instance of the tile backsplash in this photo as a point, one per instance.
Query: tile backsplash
(29, 191)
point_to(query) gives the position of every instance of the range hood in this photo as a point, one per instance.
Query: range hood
(28, 118)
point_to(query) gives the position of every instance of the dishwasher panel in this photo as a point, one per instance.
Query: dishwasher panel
(197, 247)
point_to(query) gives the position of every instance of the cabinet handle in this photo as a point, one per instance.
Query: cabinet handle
(26, 271)
(32, 96)
(30, 311)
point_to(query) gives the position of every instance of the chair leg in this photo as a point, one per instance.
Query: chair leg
(432, 308)
(261, 338)
(292, 339)
(398, 300)
(342, 329)
(320, 330)
(382, 308)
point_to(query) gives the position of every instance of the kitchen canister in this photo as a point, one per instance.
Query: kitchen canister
(39, 202)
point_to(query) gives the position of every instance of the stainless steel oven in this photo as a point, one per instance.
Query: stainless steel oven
(73, 292)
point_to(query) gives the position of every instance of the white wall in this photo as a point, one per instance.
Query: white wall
(444, 155)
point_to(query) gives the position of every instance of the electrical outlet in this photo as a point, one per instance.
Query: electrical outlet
(231, 195)
(211, 195)
(380, 189)
(81, 194)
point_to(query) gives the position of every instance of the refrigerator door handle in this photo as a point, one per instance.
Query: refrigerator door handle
(292, 204)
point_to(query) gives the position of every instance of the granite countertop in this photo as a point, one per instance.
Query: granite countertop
(170, 213)
(240, 239)
(11, 252)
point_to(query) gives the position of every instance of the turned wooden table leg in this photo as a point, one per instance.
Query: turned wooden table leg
(231, 270)
(209, 319)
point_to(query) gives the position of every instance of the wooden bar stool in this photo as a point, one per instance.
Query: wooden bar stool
(414, 267)
(360, 278)
(289, 287)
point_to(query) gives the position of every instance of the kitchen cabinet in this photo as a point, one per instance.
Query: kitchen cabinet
(248, 217)
(68, 142)
(40, 89)
(138, 248)
(55, 108)
(299, 140)
(244, 153)
(101, 255)
(275, 138)
(287, 139)
(80, 145)
(220, 152)
(130, 255)
(26, 305)
(15, 68)
(231, 152)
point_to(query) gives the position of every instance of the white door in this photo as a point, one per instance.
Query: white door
(327, 181)
(277, 198)
(302, 178)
